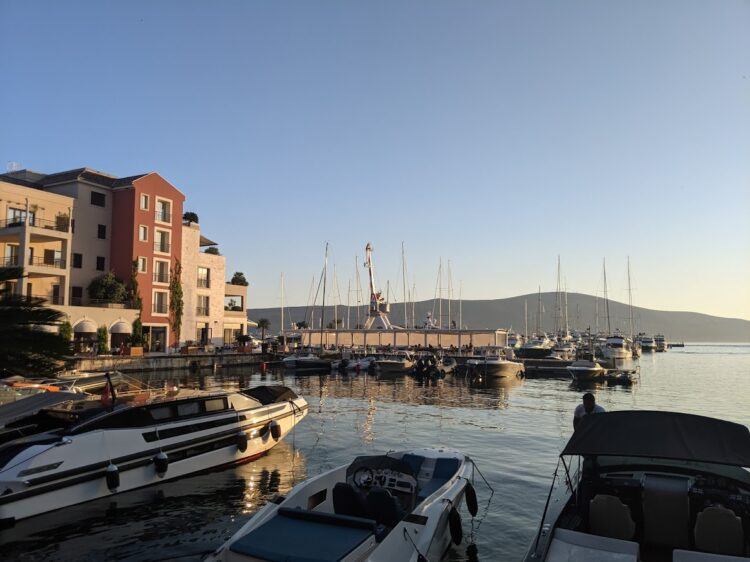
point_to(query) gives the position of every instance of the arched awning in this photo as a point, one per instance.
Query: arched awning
(85, 327)
(121, 327)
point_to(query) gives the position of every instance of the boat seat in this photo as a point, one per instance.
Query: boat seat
(666, 511)
(384, 507)
(572, 546)
(299, 535)
(692, 556)
(609, 517)
(719, 530)
(347, 500)
(444, 470)
(414, 461)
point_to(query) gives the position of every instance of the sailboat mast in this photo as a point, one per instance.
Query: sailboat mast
(403, 275)
(323, 308)
(525, 318)
(567, 326)
(460, 304)
(630, 303)
(336, 299)
(450, 293)
(348, 303)
(359, 290)
(440, 294)
(281, 322)
(539, 313)
(606, 298)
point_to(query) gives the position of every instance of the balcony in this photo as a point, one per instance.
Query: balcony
(100, 303)
(161, 277)
(60, 225)
(49, 299)
(163, 216)
(159, 308)
(59, 263)
(9, 261)
(203, 283)
(162, 247)
(201, 311)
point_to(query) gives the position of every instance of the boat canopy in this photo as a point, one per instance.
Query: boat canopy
(662, 435)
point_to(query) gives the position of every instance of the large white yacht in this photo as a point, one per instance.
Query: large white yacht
(81, 450)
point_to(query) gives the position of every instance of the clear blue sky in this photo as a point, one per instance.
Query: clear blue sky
(494, 134)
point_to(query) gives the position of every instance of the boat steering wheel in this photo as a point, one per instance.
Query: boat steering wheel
(364, 477)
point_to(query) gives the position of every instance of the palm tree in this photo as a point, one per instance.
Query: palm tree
(263, 324)
(29, 340)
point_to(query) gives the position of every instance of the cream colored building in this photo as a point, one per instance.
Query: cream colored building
(36, 233)
(214, 310)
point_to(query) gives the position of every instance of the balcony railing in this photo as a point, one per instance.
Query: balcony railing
(159, 308)
(163, 216)
(49, 299)
(203, 283)
(162, 247)
(161, 277)
(47, 262)
(60, 225)
(201, 311)
(9, 261)
(45, 299)
(99, 303)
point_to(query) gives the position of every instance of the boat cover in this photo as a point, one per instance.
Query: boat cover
(30, 405)
(270, 394)
(297, 535)
(663, 435)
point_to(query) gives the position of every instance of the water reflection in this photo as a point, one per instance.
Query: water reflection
(184, 517)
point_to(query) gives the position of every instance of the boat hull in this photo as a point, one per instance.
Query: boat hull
(495, 368)
(136, 470)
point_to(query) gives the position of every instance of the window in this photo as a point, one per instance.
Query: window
(188, 409)
(161, 243)
(98, 199)
(161, 271)
(163, 211)
(144, 202)
(52, 257)
(73, 226)
(160, 302)
(143, 233)
(100, 263)
(142, 264)
(202, 308)
(215, 404)
(17, 217)
(161, 413)
(204, 277)
(101, 231)
(78, 261)
(76, 296)
(233, 303)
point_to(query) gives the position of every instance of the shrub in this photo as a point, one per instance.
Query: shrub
(239, 279)
(136, 338)
(108, 288)
(190, 216)
(66, 331)
(213, 250)
(101, 340)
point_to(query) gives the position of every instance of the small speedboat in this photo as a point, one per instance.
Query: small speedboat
(648, 345)
(309, 361)
(401, 506)
(400, 362)
(493, 366)
(585, 370)
(648, 486)
(72, 452)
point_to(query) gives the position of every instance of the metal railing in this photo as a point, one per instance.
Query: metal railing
(60, 225)
(203, 283)
(162, 247)
(47, 262)
(49, 299)
(201, 311)
(9, 261)
(163, 216)
(99, 303)
(161, 277)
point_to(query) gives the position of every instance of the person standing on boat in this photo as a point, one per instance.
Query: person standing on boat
(588, 406)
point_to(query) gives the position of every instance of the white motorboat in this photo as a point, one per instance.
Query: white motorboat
(493, 366)
(648, 345)
(538, 347)
(401, 506)
(399, 362)
(661, 343)
(617, 353)
(514, 340)
(649, 486)
(583, 370)
(307, 361)
(360, 364)
(81, 450)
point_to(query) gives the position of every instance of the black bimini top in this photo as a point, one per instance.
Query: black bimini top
(663, 435)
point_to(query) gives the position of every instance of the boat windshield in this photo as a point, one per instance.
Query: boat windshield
(737, 473)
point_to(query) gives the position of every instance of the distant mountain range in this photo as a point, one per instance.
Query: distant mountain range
(507, 313)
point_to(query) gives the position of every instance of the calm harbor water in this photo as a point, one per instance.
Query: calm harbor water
(513, 431)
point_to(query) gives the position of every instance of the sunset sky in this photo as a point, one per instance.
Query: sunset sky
(496, 135)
